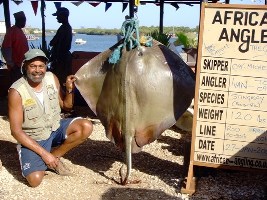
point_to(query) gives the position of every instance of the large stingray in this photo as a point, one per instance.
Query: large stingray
(139, 97)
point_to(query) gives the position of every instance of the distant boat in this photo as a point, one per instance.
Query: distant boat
(32, 37)
(80, 41)
(172, 35)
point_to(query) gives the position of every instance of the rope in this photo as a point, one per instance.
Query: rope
(129, 27)
(130, 31)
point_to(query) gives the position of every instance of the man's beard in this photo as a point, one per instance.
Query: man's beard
(33, 78)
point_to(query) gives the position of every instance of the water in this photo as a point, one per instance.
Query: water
(94, 43)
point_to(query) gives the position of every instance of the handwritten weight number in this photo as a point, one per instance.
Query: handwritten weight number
(247, 117)
(239, 116)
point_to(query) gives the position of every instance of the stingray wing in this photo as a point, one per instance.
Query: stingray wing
(91, 76)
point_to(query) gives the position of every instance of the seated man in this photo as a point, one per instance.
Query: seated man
(34, 106)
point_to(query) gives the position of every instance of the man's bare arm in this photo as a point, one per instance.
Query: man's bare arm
(66, 99)
(15, 112)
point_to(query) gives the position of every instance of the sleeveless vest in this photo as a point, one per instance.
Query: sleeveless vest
(39, 120)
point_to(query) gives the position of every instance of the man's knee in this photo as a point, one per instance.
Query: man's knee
(35, 178)
(80, 129)
(87, 128)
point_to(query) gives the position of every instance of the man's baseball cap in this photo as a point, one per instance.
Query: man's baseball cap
(33, 53)
(61, 10)
(19, 15)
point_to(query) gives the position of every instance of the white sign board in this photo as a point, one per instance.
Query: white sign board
(230, 120)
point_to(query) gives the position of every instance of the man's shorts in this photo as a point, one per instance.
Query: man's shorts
(30, 161)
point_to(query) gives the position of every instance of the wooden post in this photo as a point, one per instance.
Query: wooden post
(190, 182)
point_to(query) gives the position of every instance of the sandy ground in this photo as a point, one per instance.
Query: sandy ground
(161, 168)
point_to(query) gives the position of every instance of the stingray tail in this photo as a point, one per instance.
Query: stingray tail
(128, 161)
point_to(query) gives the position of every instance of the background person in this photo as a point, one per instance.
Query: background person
(61, 45)
(14, 46)
(34, 105)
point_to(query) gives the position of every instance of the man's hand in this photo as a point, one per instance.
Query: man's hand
(50, 160)
(70, 83)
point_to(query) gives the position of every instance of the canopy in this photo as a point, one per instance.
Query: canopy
(132, 5)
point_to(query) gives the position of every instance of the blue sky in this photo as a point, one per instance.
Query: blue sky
(88, 16)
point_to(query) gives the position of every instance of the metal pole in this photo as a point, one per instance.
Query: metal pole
(44, 47)
(7, 13)
(131, 8)
(161, 15)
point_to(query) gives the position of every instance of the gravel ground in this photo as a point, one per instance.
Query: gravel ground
(161, 167)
